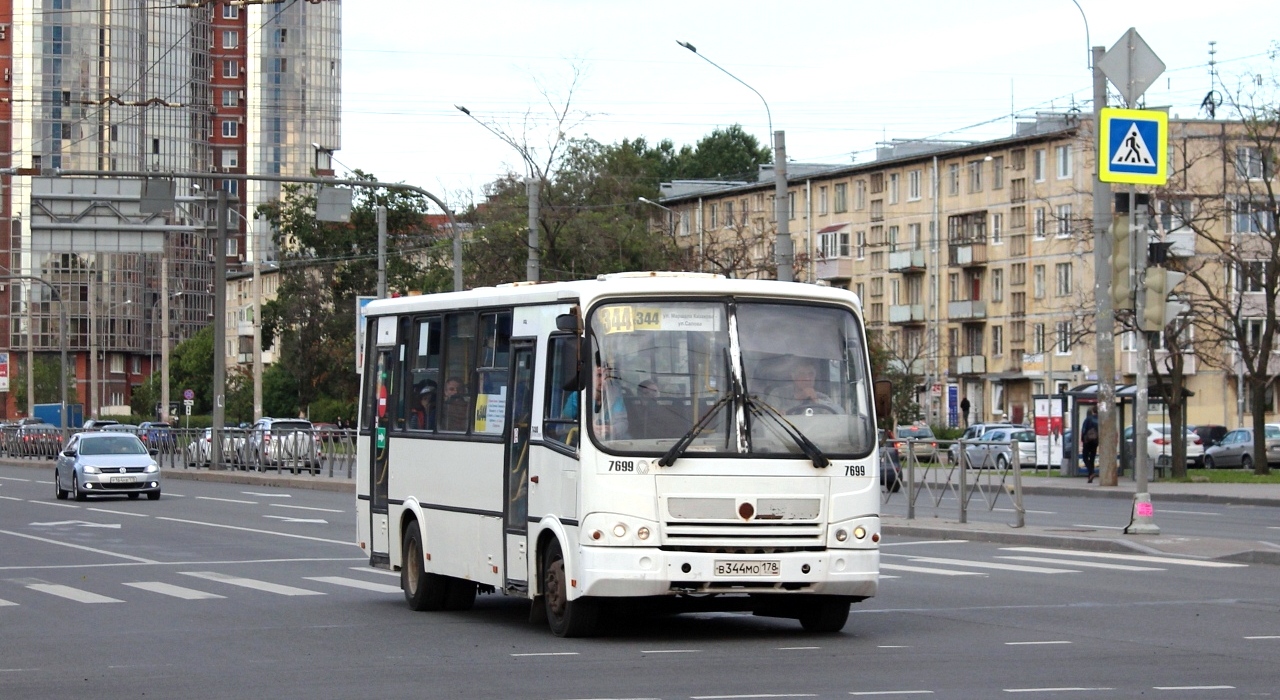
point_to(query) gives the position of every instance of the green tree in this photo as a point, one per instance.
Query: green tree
(191, 367)
(48, 383)
(725, 154)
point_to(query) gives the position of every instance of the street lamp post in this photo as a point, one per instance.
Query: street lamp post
(62, 335)
(784, 253)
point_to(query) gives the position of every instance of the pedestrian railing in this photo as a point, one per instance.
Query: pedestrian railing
(960, 470)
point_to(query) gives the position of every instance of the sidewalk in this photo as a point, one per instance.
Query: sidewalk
(1245, 551)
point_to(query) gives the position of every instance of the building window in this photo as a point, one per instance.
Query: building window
(1018, 274)
(877, 260)
(861, 290)
(953, 179)
(997, 173)
(1064, 220)
(233, 247)
(861, 248)
(1250, 275)
(231, 187)
(1038, 231)
(230, 158)
(1250, 164)
(877, 210)
(230, 128)
(844, 244)
(1253, 217)
(1063, 271)
(684, 223)
(913, 185)
(913, 236)
(230, 39)
(230, 98)
(230, 11)
(1038, 164)
(791, 207)
(860, 195)
(1018, 217)
(975, 176)
(1018, 245)
(877, 286)
(715, 215)
(997, 229)
(822, 201)
(893, 188)
(997, 285)
(1018, 331)
(1018, 159)
(230, 68)
(117, 363)
(1037, 281)
(135, 364)
(842, 198)
(997, 341)
(1037, 338)
(1064, 338)
(728, 214)
(1063, 156)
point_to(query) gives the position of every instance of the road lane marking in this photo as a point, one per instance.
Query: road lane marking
(287, 519)
(78, 546)
(267, 495)
(80, 523)
(226, 500)
(549, 653)
(1028, 644)
(797, 648)
(14, 478)
(173, 591)
(321, 510)
(874, 693)
(927, 570)
(1099, 527)
(71, 593)
(11, 498)
(1086, 564)
(1130, 557)
(759, 695)
(371, 570)
(670, 651)
(266, 586)
(1265, 636)
(908, 544)
(1191, 512)
(1054, 690)
(1194, 687)
(355, 583)
(119, 512)
(4, 603)
(987, 565)
(260, 532)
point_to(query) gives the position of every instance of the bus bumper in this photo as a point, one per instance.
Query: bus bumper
(632, 571)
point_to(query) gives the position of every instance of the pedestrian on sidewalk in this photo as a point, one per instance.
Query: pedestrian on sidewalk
(964, 410)
(1089, 441)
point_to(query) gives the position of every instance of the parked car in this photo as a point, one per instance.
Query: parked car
(122, 428)
(98, 423)
(36, 440)
(1236, 449)
(159, 435)
(283, 443)
(106, 463)
(973, 432)
(890, 469)
(1210, 435)
(994, 450)
(199, 452)
(923, 443)
(1160, 444)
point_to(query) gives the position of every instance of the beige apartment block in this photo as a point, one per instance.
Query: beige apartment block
(975, 261)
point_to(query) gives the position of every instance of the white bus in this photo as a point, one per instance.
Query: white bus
(726, 458)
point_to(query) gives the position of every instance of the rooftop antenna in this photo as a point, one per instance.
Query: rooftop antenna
(1213, 99)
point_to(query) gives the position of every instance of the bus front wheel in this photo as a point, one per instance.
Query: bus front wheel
(566, 618)
(825, 614)
(423, 591)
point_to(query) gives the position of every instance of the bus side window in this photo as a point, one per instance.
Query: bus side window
(561, 414)
(459, 377)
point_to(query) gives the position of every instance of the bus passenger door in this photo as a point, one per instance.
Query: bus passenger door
(520, 418)
(379, 532)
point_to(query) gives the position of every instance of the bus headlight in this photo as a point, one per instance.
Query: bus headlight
(620, 530)
(841, 535)
(642, 533)
(859, 532)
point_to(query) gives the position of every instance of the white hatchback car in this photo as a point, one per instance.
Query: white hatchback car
(1160, 444)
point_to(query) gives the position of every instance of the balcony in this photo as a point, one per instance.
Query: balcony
(1129, 363)
(967, 254)
(914, 368)
(907, 261)
(967, 364)
(967, 310)
(906, 313)
(1182, 244)
(834, 269)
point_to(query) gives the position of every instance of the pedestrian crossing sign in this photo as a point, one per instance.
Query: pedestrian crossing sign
(1135, 144)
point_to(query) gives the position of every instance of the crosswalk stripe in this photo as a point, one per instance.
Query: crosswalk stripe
(371, 570)
(175, 591)
(927, 570)
(5, 603)
(251, 583)
(1129, 557)
(355, 583)
(71, 593)
(992, 565)
(1085, 564)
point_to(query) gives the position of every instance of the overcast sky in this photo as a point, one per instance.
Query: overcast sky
(839, 76)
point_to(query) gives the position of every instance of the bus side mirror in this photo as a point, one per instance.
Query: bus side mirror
(568, 323)
(883, 393)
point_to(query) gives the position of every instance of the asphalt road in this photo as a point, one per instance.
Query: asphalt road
(232, 591)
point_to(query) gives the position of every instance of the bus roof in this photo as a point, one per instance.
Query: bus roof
(622, 284)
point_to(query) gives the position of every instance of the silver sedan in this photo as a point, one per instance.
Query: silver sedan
(1236, 449)
(106, 464)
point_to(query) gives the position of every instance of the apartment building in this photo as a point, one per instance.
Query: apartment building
(206, 87)
(974, 261)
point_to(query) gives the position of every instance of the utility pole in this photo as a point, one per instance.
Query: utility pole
(219, 331)
(784, 251)
(1106, 319)
(257, 323)
(31, 353)
(382, 252)
(533, 267)
(164, 332)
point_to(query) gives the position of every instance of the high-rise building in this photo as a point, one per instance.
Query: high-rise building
(203, 87)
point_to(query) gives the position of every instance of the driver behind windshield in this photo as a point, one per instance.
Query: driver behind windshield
(801, 392)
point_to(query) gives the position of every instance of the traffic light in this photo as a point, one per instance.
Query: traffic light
(1121, 259)
(1159, 311)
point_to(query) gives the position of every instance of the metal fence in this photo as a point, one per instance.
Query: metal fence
(319, 451)
(932, 471)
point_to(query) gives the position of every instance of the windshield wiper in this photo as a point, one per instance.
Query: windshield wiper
(763, 408)
(687, 439)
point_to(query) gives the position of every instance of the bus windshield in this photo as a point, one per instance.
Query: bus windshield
(731, 377)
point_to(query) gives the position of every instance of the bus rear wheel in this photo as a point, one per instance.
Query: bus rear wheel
(566, 618)
(826, 614)
(423, 591)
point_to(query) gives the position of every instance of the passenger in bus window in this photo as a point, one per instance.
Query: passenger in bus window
(423, 415)
(649, 389)
(457, 409)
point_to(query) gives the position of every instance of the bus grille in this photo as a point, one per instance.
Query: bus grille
(710, 523)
